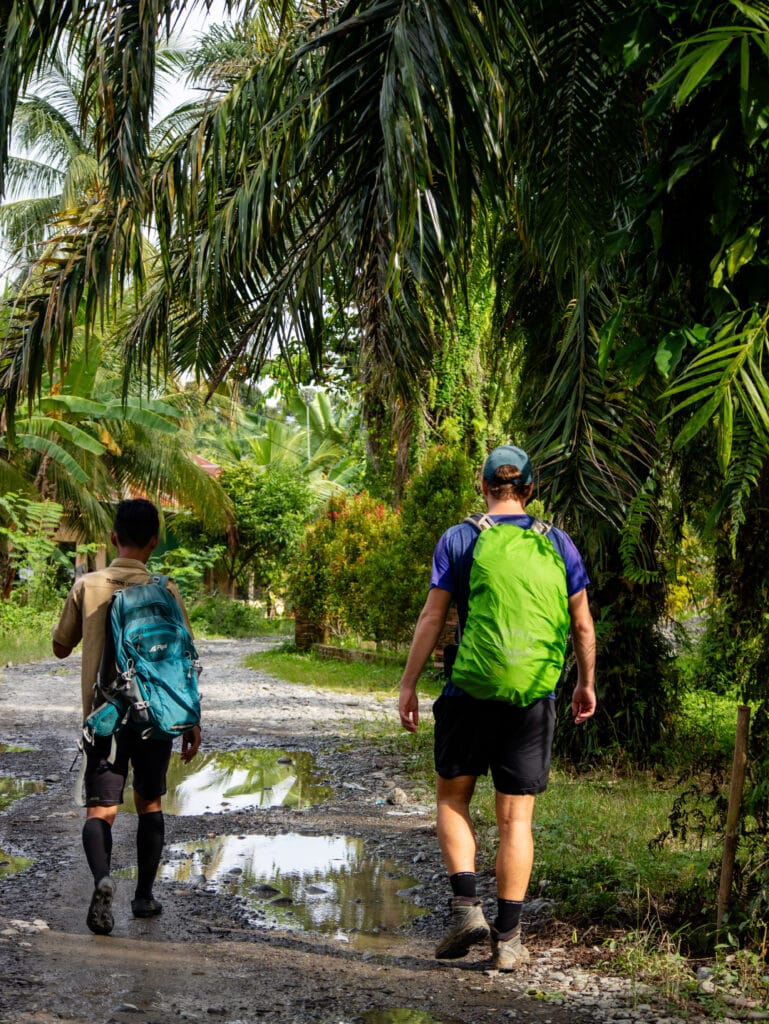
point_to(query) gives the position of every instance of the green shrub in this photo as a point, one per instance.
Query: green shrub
(224, 616)
(334, 579)
(187, 567)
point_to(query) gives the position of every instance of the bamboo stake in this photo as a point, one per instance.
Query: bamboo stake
(733, 812)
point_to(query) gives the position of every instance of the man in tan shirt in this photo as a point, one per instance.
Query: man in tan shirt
(135, 536)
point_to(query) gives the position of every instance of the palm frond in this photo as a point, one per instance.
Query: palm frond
(573, 136)
(727, 377)
(48, 125)
(593, 436)
(23, 225)
(25, 175)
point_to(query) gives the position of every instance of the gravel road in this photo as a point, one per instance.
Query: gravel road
(207, 958)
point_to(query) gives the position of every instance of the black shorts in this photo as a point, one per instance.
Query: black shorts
(473, 736)
(105, 781)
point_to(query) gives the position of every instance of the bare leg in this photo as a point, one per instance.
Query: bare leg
(515, 855)
(456, 835)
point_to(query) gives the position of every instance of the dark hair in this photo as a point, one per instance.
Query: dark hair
(136, 522)
(506, 483)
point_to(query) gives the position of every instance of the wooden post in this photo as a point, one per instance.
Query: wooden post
(733, 812)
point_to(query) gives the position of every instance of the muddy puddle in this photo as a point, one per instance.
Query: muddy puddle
(403, 1016)
(240, 779)
(326, 884)
(13, 789)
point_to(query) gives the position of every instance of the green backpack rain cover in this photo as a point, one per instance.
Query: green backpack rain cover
(514, 641)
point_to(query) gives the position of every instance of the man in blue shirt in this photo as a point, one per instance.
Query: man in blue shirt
(510, 735)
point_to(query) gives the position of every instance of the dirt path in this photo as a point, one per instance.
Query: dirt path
(204, 959)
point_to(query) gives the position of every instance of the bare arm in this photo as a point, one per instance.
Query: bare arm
(583, 700)
(426, 634)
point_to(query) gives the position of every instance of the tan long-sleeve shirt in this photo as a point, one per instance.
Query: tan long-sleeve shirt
(84, 616)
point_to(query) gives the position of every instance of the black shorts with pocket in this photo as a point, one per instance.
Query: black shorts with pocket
(105, 781)
(475, 736)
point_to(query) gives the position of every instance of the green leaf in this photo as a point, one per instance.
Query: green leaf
(606, 337)
(669, 352)
(725, 432)
(701, 419)
(704, 59)
(55, 452)
(72, 404)
(743, 249)
(133, 412)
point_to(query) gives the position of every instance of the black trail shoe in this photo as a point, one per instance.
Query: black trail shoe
(143, 907)
(100, 919)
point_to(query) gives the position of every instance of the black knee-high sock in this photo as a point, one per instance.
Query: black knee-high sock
(97, 843)
(150, 834)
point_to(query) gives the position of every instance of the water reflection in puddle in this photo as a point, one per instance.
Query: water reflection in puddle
(326, 884)
(13, 789)
(238, 779)
(10, 865)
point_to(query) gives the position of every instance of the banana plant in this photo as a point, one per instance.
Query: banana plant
(84, 445)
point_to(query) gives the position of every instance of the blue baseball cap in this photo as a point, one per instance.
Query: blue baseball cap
(508, 455)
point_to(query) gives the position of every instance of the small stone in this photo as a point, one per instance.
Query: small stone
(397, 797)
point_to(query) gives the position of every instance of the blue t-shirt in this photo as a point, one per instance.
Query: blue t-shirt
(453, 559)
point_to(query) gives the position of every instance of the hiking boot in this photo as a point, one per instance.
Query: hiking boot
(467, 927)
(100, 919)
(507, 951)
(143, 907)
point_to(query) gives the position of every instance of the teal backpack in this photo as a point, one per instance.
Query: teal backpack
(514, 641)
(149, 669)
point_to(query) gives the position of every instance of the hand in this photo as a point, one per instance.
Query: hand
(190, 743)
(408, 708)
(583, 702)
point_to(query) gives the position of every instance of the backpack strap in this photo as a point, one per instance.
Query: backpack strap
(481, 521)
(158, 578)
(541, 526)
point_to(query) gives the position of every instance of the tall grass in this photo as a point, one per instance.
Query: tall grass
(25, 633)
